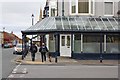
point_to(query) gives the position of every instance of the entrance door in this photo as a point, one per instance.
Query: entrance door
(65, 45)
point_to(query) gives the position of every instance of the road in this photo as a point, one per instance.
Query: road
(7, 64)
(60, 71)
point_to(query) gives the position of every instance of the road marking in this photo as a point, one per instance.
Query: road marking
(21, 76)
(11, 76)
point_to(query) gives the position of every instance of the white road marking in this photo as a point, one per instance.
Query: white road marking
(21, 76)
(11, 76)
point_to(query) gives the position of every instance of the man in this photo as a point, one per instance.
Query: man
(43, 50)
(33, 50)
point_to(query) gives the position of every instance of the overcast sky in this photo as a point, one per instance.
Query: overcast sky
(16, 16)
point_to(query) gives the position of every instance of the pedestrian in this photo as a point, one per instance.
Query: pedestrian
(43, 50)
(33, 50)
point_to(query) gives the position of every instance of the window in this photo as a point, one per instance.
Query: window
(83, 6)
(73, 3)
(108, 8)
(52, 11)
(63, 41)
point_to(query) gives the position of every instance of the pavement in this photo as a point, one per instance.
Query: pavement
(63, 61)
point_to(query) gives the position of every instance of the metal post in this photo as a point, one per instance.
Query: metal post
(23, 37)
(56, 47)
(72, 44)
(101, 55)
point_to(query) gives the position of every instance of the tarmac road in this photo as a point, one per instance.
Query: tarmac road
(7, 64)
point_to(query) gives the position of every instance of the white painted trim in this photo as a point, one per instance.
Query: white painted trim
(47, 41)
(104, 8)
(105, 43)
(81, 42)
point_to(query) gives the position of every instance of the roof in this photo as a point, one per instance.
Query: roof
(75, 23)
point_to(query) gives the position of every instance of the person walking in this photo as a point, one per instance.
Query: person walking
(33, 50)
(43, 50)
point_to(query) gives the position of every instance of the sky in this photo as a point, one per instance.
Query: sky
(15, 15)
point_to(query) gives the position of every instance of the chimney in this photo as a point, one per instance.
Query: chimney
(62, 7)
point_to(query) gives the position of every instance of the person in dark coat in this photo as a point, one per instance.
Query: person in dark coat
(33, 50)
(43, 50)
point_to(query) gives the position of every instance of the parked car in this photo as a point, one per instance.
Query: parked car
(18, 50)
(6, 46)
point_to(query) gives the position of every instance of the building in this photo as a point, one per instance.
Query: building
(10, 38)
(81, 29)
(1, 38)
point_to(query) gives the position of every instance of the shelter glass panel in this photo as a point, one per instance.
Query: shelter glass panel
(77, 43)
(65, 23)
(91, 40)
(58, 23)
(113, 42)
(51, 43)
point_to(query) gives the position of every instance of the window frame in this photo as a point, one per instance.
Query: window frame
(104, 8)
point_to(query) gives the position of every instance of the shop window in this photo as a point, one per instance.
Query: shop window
(113, 42)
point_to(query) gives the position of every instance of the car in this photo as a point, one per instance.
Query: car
(18, 50)
(6, 46)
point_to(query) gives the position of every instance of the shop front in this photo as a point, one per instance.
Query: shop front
(79, 37)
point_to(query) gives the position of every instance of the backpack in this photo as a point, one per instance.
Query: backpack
(34, 49)
(43, 50)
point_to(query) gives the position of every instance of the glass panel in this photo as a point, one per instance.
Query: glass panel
(108, 8)
(51, 43)
(68, 40)
(63, 40)
(87, 24)
(80, 23)
(58, 23)
(77, 43)
(115, 25)
(83, 6)
(91, 44)
(73, 23)
(94, 24)
(73, 5)
(101, 24)
(65, 23)
(52, 11)
(107, 23)
(113, 42)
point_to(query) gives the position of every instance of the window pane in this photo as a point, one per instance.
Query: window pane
(73, 6)
(83, 6)
(52, 11)
(68, 40)
(91, 43)
(63, 41)
(113, 42)
(108, 8)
